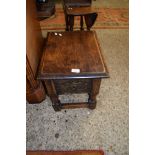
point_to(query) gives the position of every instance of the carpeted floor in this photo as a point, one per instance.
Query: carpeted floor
(108, 18)
(106, 127)
(105, 3)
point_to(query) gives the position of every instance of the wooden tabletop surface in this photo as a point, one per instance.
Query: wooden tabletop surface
(72, 55)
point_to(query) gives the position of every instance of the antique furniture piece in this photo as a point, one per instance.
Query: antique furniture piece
(72, 63)
(34, 89)
(84, 12)
(45, 9)
(77, 3)
(35, 92)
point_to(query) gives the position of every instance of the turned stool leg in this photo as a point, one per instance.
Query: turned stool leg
(71, 22)
(94, 91)
(53, 95)
(67, 22)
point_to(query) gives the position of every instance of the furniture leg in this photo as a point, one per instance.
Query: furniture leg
(94, 91)
(71, 22)
(67, 22)
(53, 95)
(81, 23)
(88, 28)
(90, 20)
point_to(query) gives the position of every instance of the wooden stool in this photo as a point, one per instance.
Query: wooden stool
(86, 13)
(72, 62)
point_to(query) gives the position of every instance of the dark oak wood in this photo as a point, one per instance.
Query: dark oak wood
(34, 89)
(77, 3)
(65, 51)
(72, 50)
(45, 9)
(79, 10)
(87, 13)
(34, 44)
(90, 19)
(53, 94)
(34, 39)
(95, 86)
(72, 86)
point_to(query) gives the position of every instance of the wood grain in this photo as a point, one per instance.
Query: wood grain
(34, 39)
(95, 86)
(34, 89)
(72, 86)
(65, 51)
(72, 50)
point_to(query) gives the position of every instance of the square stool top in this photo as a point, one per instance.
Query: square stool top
(70, 55)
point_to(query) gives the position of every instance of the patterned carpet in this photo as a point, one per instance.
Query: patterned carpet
(108, 18)
(81, 152)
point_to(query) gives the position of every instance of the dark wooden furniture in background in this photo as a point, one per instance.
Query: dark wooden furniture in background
(77, 3)
(86, 13)
(34, 44)
(45, 9)
(72, 63)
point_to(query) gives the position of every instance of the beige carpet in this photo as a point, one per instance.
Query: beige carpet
(106, 127)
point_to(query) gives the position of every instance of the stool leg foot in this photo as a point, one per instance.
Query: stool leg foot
(95, 86)
(92, 104)
(53, 95)
(56, 103)
(56, 108)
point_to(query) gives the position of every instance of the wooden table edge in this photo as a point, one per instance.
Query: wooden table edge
(75, 76)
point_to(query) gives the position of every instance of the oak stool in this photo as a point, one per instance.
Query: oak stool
(72, 62)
